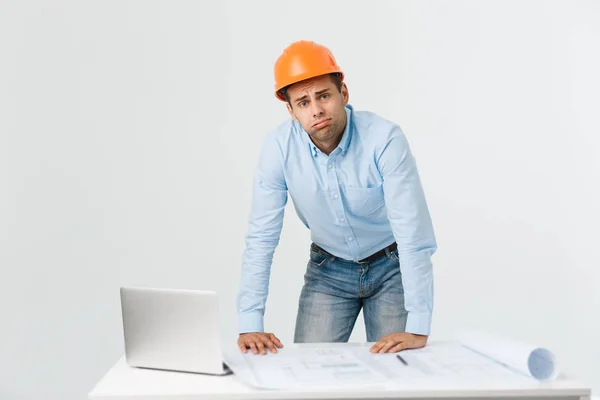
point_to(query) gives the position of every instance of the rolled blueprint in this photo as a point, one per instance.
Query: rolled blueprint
(533, 361)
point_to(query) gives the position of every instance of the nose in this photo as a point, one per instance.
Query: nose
(317, 109)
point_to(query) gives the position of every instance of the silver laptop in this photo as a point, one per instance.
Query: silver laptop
(172, 329)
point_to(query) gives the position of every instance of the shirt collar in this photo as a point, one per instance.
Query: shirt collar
(346, 136)
(347, 131)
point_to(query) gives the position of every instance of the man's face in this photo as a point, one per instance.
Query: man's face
(318, 106)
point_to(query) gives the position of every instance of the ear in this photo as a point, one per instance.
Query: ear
(345, 94)
(289, 108)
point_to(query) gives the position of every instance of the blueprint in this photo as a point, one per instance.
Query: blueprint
(446, 364)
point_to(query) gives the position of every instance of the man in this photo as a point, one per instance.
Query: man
(354, 183)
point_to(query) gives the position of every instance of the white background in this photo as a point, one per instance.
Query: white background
(129, 133)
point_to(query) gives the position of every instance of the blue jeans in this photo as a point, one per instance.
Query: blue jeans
(335, 290)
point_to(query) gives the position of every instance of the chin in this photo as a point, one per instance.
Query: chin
(322, 134)
(321, 137)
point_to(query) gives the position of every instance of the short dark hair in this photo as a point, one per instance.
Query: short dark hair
(336, 78)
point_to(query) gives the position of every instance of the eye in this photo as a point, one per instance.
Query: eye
(324, 96)
(302, 104)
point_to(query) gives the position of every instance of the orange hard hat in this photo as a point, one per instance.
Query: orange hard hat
(303, 60)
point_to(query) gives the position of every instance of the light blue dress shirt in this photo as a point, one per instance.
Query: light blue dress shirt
(361, 198)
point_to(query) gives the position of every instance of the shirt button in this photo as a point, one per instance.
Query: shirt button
(335, 196)
(350, 238)
(342, 219)
(330, 166)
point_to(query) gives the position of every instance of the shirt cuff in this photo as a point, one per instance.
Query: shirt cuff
(418, 323)
(251, 321)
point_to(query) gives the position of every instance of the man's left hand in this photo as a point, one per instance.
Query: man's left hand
(395, 342)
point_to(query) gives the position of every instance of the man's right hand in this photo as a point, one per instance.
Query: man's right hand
(258, 342)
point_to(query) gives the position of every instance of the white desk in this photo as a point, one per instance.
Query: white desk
(125, 383)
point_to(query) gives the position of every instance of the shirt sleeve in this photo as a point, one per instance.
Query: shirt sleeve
(269, 197)
(412, 228)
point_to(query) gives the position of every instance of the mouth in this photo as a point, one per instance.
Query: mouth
(322, 123)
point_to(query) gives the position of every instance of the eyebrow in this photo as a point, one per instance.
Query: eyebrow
(317, 93)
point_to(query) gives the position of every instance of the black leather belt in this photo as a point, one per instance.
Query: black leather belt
(370, 258)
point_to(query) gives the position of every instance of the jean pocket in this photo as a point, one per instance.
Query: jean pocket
(364, 202)
(317, 258)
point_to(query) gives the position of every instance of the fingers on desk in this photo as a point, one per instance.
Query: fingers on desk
(275, 340)
(260, 343)
(398, 347)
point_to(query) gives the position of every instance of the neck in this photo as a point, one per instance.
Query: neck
(329, 146)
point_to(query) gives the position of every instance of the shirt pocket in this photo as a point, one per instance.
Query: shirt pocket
(364, 201)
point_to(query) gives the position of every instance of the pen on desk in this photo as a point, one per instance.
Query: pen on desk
(401, 359)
